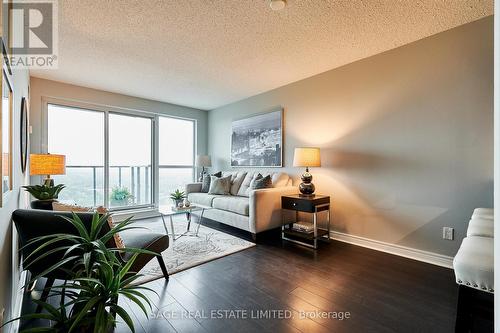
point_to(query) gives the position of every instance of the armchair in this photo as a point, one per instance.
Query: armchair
(34, 223)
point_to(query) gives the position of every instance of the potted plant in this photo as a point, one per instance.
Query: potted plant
(177, 197)
(120, 196)
(44, 194)
(89, 298)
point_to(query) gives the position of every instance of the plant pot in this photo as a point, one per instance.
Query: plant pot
(42, 204)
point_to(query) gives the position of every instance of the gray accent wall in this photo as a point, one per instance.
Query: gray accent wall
(406, 137)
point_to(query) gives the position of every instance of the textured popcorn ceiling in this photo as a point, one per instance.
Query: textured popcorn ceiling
(206, 54)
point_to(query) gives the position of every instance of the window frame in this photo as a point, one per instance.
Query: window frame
(107, 109)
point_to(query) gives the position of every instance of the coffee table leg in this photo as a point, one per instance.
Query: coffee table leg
(200, 220)
(189, 220)
(164, 224)
(172, 226)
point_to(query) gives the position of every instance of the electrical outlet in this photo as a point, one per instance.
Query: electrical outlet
(448, 233)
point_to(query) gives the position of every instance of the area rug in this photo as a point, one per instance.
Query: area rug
(189, 251)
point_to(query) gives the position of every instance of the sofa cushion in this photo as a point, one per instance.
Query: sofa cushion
(204, 199)
(238, 205)
(486, 213)
(473, 263)
(480, 227)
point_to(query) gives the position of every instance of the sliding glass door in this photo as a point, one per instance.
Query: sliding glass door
(110, 157)
(78, 134)
(130, 161)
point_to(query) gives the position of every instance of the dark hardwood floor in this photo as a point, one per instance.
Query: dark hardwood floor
(374, 291)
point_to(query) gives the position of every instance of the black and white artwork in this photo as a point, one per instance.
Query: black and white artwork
(257, 141)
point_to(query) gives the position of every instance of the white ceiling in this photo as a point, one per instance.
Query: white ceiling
(206, 54)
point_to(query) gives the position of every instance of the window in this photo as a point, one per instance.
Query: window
(130, 161)
(78, 134)
(176, 145)
(114, 165)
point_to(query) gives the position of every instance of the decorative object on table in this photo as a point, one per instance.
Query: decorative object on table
(44, 194)
(187, 204)
(257, 140)
(301, 232)
(203, 161)
(24, 134)
(46, 165)
(177, 197)
(303, 226)
(306, 157)
(120, 196)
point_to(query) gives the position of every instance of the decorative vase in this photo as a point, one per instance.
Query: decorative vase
(186, 203)
(42, 204)
(180, 204)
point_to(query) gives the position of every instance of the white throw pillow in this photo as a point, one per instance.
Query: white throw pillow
(220, 185)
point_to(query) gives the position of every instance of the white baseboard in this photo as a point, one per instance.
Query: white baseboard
(420, 255)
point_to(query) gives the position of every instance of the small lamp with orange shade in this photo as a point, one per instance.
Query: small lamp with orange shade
(47, 164)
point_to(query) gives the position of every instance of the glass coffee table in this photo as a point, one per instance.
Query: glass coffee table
(170, 212)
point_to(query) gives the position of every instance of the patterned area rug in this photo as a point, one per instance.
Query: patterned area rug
(189, 251)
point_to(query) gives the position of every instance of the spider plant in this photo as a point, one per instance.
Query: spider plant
(177, 196)
(98, 276)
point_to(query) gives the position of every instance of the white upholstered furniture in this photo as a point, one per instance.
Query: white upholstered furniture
(473, 263)
(251, 210)
(473, 266)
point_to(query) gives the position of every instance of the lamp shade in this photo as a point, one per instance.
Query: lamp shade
(47, 164)
(306, 157)
(203, 161)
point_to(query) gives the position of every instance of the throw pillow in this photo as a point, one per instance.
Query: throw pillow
(236, 181)
(61, 207)
(261, 182)
(118, 239)
(220, 185)
(205, 183)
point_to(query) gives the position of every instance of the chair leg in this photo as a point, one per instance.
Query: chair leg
(162, 266)
(45, 293)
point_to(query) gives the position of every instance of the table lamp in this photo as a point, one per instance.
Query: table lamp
(47, 164)
(203, 161)
(306, 157)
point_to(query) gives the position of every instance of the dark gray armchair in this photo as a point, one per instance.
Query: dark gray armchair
(32, 223)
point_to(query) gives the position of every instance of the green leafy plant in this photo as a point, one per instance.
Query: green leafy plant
(120, 193)
(98, 276)
(177, 195)
(44, 192)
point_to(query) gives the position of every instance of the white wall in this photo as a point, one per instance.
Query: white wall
(9, 275)
(406, 137)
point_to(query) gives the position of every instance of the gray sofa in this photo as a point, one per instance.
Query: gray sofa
(251, 210)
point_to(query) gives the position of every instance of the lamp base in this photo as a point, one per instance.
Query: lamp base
(49, 182)
(306, 188)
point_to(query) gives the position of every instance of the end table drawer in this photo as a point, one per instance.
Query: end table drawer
(297, 204)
